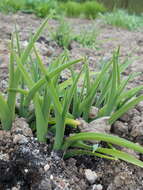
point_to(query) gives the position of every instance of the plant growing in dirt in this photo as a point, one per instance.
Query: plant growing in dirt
(87, 37)
(63, 34)
(8, 105)
(55, 103)
(106, 90)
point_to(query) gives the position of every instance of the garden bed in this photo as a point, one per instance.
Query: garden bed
(27, 164)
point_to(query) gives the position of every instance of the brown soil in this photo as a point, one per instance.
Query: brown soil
(26, 164)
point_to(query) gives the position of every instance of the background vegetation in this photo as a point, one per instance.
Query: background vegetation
(121, 18)
(42, 7)
(81, 8)
(133, 6)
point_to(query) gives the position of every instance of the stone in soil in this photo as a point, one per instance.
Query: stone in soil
(120, 128)
(91, 176)
(98, 125)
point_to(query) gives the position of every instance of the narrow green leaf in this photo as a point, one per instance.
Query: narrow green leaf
(5, 114)
(124, 109)
(65, 84)
(113, 89)
(125, 96)
(14, 78)
(121, 155)
(24, 73)
(90, 97)
(70, 94)
(72, 153)
(41, 65)
(102, 137)
(27, 51)
(42, 81)
(41, 124)
(19, 90)
(46, 105)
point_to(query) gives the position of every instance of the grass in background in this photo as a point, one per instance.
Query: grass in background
(89, 9)
(87, 37)
(72, 9)
(42, 8)
(121, 18)
(63, 33)
(11, 5)
(92, 8)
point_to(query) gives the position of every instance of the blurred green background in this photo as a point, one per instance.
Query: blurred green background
(133, 6)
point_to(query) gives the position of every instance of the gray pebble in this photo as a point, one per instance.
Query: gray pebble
(97, 187)
(90, 175)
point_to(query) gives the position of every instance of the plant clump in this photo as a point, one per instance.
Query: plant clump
(57, 105)
(42, 8)
(88, 9)
(63, 33)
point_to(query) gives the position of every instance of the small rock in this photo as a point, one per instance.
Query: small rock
(129, 115)
(21, 127)
(122, 179)
(93, 112)
(139, 139)
(15, 188)
(20, 139)
(90, 175)
(97, 187)
(51, 177)
(46, 167)
(125, 117)
(140, 106)
(120, 128)
(137, 130)
(26, 170)
(137, 119)
(45, 184)
(133, 112)
(99, 126)
(41, 47)
(2, 65)
(5, 136)
(49, 52)
(4, 156)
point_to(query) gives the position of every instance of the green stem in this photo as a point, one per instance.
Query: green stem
(60, 127)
